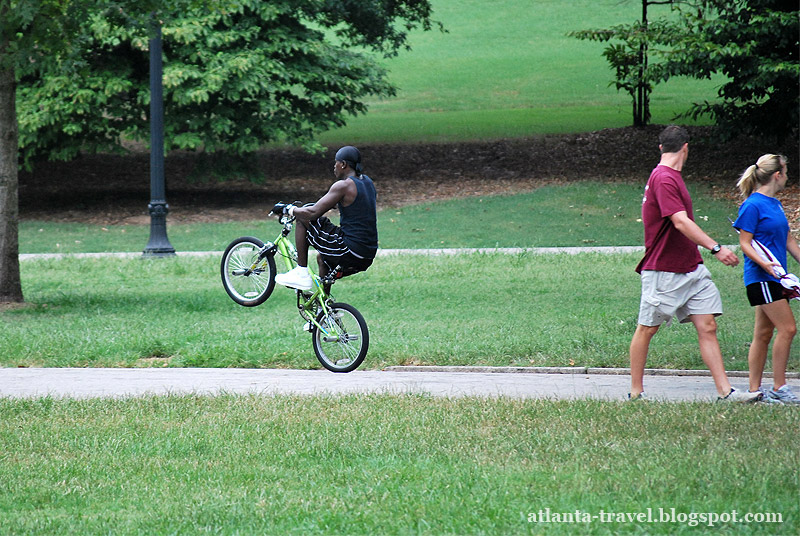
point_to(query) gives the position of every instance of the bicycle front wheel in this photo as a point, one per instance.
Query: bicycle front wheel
(343, 344)
(247, 280)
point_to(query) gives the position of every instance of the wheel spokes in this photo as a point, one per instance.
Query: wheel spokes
(248, 284)
(340, 338)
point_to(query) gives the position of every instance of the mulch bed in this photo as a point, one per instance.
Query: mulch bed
(110, 189)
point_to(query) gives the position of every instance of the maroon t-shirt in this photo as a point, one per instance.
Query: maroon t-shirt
(666, 248)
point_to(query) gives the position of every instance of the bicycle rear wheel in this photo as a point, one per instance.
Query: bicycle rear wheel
(245, 286)
(345, 345)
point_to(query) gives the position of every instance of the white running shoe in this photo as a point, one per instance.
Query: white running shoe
(743, 397)
(298, 277)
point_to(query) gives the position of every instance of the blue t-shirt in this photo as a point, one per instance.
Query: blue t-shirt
(764, 217)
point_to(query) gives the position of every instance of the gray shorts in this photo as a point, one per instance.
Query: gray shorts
(667, 294)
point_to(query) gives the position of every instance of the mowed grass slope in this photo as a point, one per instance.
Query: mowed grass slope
(508, 69)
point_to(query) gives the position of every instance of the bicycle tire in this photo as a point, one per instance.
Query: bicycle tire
(255, 287)
(344, 348)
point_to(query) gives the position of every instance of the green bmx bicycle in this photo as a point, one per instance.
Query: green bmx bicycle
(339, 332)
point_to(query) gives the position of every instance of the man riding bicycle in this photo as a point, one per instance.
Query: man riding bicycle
(351, 245)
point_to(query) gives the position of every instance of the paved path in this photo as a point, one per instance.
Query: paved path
(122, 382)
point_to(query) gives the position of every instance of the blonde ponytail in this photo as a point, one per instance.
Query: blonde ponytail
(760, 173)
(747, 182)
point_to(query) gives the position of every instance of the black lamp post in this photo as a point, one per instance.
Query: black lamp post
(158, 245)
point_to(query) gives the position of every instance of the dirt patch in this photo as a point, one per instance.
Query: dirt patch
(106, 189)
(14, 306)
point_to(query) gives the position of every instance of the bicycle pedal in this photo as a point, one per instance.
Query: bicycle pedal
(307, 327)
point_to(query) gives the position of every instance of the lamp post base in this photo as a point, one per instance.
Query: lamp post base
(158, 245)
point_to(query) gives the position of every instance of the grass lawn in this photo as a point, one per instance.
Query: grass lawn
(508, 69)
(574, 214)
(381, 464)
(487, 309)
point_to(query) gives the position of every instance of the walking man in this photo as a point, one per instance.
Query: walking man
(675, 282)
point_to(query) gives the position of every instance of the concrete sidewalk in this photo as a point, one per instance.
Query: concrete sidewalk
(450, 382)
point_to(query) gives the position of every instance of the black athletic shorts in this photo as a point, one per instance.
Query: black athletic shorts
(765, 292)
(328, 240)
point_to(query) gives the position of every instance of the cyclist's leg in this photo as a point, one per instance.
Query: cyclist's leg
(328, 240)
(301, 242)
(348, 263)
(323, 266)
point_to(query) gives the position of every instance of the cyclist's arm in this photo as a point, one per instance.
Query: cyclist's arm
(325, 203)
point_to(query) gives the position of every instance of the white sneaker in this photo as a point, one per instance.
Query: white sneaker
(743, 397)
(298, 277)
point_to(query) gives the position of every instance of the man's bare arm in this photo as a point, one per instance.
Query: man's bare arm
(325, 203)
(693, 232)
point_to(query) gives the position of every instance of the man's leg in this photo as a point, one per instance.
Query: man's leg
(298, 277)
(706, 327)
(301, 242)
(640, 344)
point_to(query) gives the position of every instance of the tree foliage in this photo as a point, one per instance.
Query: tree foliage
(755, 44)
(234, 78)
(628, 53)
(36, 37)
(31, 31)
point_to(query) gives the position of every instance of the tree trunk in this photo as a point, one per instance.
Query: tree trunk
(10, 285)
(640, 113)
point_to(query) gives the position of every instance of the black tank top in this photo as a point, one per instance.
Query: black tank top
(359, 221)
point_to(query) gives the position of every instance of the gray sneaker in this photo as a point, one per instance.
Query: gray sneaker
(743, 397)
(765, 398)
(784, 395)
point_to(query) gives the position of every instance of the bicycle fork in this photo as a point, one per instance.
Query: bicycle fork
(310, 305)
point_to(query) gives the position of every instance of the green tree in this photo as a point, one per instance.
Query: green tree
(754, 43)
(74, 77)
(36, 36)
(30, 31)
(234, 79)
(628, 54)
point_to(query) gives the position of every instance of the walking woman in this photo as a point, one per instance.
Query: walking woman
(761, 216)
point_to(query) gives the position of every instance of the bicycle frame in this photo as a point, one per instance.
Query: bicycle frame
(339, 333)
(307, 301)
